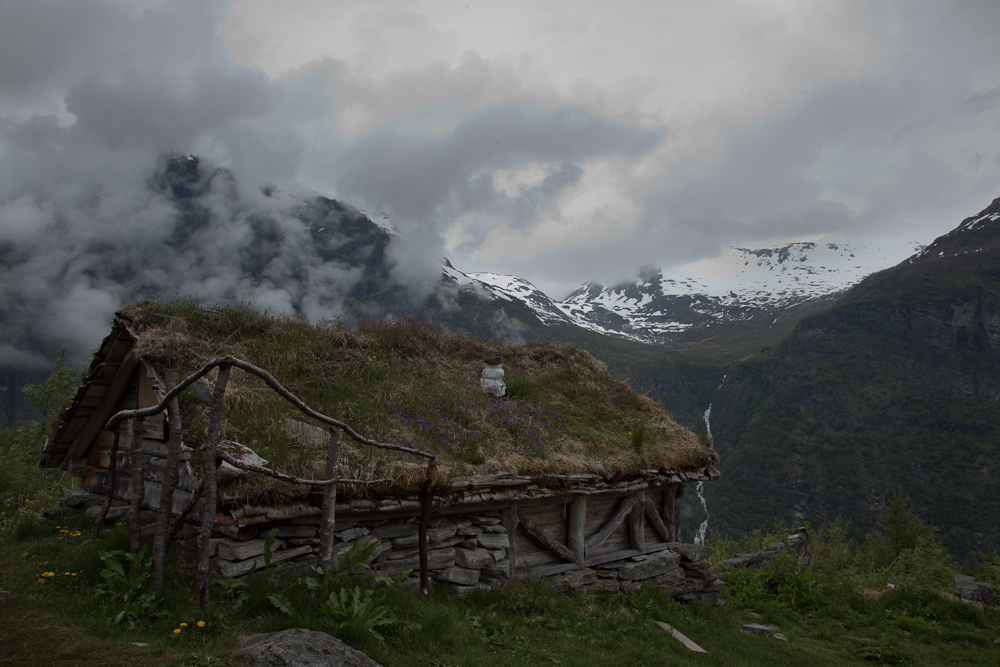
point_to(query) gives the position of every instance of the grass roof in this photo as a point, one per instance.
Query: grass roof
(409, 383)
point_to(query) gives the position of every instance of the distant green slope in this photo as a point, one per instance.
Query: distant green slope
(893, 388)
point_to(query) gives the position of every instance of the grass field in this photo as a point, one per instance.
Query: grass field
(52, 615)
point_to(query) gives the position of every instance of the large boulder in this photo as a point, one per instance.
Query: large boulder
(302, 648)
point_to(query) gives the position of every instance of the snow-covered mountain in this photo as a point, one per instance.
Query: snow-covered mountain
(743, 285)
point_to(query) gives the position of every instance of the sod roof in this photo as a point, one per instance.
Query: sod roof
(409, 383)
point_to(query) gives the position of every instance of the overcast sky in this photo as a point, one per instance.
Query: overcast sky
(560, 141)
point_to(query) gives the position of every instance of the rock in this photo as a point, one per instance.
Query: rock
(494, 540)
(238, 569)
(715, 586)
(965, 588)
(603, 587)
(986, 592)
(462, 592)
(692, 552)
(766, 630)
(234, 550)
(114, 513)
(801, 546)
(441, 530)
(458, 575)
(475, 559)
(699, 570)
(350, 534)
(485, 520)
(297, 531)
(301, 648)
(81, 498)
(575, 579)
(675, 583)
(653, 566)
(471, 543)
(391, 531)
(437, 559)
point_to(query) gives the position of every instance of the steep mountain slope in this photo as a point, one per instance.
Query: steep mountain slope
(894, 388)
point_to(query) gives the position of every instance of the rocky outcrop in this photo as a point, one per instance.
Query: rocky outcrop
(301, 648)
(968, 588)
(797, 545)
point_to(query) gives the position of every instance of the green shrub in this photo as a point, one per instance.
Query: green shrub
(520, 386)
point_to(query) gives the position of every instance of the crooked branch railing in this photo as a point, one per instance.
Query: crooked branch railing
(208, 487)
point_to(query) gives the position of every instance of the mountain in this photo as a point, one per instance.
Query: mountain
(894, 388)
(745, 294)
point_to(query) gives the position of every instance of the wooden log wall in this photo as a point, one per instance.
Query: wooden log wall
(94, 467)
(560, 534)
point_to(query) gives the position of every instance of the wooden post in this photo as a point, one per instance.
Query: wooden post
(669, 500)
(511, 523)
(109, 493)
(160, 541)
(326, 526)
(138, 428)
(426, 500)
(574, 529)
(211, 492)
(636, 529)
(677, 512)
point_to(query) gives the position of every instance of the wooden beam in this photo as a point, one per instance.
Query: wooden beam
(676, 634)
(547, 540)
(636, 529)
(597, 559)
(575, 528)
(118, 387)
(510, 521)
(657, 521)
(669, 502)
(598, 538)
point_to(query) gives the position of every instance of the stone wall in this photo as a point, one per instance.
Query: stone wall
(469, 552)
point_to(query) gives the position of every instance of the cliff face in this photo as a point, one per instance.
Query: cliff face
(895, 388)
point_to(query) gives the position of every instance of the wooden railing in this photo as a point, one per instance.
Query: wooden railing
(166, 529)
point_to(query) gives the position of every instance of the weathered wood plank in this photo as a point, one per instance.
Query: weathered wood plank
(669, 505)
(636, 530)
(510, 520)
(598, 538)
(551, 544)
(575, 528)
(545, 570)
(676, 634)
(119, 386)
(657, 521)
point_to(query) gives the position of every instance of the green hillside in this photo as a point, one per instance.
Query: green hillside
(894, 388)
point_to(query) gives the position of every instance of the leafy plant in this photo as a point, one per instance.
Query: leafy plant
(125, 586)
(349, 594)
(260, 588)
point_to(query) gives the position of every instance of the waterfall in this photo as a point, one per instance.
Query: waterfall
(700, 487)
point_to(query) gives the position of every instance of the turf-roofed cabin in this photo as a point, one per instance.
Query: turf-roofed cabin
(571, 474)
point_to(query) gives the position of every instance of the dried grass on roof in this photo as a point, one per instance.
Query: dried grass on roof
(412, 384)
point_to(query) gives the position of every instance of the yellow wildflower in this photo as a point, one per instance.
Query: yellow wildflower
(184, 625)
(41, 581)
(177, 631)
(201, 624)
(48, 574)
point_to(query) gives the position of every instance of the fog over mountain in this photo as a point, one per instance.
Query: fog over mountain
(495, 136)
